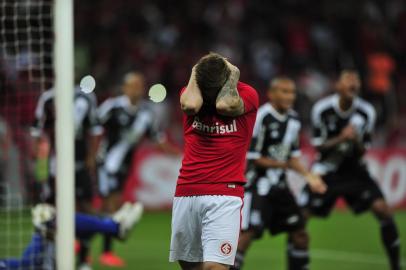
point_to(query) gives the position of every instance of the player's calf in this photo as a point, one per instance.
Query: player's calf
(389, 232)
(111, 203)
(297, 250)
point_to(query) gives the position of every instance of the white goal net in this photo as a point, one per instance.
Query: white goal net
(26, 69)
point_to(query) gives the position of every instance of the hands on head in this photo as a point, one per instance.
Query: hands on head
(191, 100)
(225, 95)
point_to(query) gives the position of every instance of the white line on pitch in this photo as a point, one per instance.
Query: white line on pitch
(338, 255)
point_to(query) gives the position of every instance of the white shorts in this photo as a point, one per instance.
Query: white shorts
(205, 228)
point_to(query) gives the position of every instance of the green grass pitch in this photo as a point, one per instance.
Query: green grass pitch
(342, 242)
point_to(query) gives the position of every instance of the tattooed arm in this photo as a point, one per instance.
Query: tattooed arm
(229, 102)
(191, 99)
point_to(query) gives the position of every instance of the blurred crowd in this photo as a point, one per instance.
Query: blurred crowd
(308, 40)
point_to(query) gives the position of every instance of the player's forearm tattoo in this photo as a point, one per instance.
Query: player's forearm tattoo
(229, 89)
(229, 94)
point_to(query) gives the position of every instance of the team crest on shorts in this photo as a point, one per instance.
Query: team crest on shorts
(225, 248)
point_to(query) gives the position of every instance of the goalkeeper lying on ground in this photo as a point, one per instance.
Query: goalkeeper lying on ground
(40, 253)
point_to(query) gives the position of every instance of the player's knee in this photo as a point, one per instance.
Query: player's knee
(214, 266)
(300, 239)
(381, 210)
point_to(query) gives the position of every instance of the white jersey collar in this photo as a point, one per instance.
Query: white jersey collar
(339, 111)
(281, 117)
(127, 105)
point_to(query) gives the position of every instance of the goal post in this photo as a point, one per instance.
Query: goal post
(64, 85)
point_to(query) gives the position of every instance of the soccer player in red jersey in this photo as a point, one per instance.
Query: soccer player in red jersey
(219, 115)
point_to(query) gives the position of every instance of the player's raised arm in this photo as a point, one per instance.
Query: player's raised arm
(319, 130)
(40, 115)
(229, 102)
(191, 99)
(42, 110)
(294, 163)
(95, 131)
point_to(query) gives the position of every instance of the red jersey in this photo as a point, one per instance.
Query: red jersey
(215, 150)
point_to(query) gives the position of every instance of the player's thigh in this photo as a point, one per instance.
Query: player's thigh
(83, 186)
(110, 182)
(252, 214)
(107, 182)
(48, 190)
(220, 228)
(362, 191)
(186, 245)
(285, 213)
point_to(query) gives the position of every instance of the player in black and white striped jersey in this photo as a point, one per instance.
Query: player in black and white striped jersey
(86, 131)
(86, 127)
(343, 125)
(268, 202)
(126, 120)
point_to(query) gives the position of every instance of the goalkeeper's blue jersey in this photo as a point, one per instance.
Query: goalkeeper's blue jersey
(38, 255)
